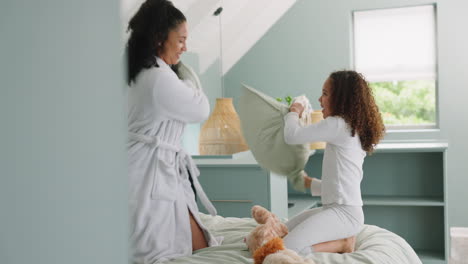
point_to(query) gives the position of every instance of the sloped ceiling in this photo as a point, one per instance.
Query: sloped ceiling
(240, 25)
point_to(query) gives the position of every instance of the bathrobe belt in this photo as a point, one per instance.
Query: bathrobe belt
(183, 160)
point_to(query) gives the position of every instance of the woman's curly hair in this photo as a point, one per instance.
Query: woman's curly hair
(149, 29)
(352, 99)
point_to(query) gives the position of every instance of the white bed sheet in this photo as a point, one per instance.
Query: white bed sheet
(374, 245)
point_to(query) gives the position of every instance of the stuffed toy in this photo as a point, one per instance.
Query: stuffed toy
(265, 241)
(286, 256)
(269, 227)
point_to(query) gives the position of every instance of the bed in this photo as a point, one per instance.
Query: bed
(373, 245)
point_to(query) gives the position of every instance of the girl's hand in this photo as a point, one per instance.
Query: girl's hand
(307, 180)
(298, 108)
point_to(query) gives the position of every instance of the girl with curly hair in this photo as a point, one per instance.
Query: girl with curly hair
(164, 216)
(352, 127)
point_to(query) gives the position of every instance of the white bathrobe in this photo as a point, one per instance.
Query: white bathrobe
(160, 194)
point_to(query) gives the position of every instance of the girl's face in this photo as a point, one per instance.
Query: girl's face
(175, 45)
(325, 98)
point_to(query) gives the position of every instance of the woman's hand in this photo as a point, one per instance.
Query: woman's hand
(297, 107)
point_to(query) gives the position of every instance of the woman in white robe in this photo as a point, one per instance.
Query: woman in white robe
(162, 177)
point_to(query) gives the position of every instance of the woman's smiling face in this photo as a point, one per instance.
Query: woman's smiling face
(175, 44)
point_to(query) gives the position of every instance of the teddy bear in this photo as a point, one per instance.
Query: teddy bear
(265, 241)
(273, 252)
(269, 227)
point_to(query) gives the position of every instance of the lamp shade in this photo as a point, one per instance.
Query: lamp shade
(317, 116)
(221, 133)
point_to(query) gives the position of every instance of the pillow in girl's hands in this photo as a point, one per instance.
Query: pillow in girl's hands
(262, 125)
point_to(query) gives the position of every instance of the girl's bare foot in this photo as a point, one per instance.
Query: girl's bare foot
(345, 245)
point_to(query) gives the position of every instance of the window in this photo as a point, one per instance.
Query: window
(395, 50)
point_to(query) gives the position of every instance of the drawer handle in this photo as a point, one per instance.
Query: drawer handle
(232, 201)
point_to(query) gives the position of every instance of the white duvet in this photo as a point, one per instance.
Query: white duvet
(374, 245)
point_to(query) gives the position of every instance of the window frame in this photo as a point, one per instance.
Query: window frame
(414, 127)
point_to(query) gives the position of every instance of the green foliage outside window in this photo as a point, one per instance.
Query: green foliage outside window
(406, 102)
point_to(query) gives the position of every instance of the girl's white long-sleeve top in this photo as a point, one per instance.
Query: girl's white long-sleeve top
(342, 160)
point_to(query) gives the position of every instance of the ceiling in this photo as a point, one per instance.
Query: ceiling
(240, 25)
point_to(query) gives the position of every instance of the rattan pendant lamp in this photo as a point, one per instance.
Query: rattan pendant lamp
(221, 134)
(317, 116)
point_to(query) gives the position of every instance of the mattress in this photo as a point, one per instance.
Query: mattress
(373, 245)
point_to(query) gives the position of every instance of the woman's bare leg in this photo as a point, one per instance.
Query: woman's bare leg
(198, 239)
(345, 245)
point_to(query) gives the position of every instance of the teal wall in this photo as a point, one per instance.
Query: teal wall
(314, 38)
(62, 157)
(63, 175)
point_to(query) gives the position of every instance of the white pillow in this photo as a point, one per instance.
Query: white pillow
(262, 125)
(188, 75)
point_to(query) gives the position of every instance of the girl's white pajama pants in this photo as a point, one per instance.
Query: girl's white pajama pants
(322, 224)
